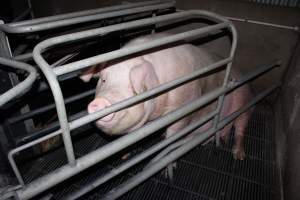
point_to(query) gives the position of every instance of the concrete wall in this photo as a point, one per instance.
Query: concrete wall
(256, 44)
(288, 109)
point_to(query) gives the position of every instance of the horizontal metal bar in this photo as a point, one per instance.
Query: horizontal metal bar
(138, 158)
(83, 13)
(35, 27)
(294, 28)
(23, 57)
(48, 129)
(23, 86)
(189, 145)
(137, 48)
(43, 109)
(61, 174)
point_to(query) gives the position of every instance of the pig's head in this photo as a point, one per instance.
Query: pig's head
(116, 83)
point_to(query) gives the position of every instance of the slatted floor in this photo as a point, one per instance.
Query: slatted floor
(207, 172)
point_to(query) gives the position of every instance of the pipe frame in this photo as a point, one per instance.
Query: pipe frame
(75, 166)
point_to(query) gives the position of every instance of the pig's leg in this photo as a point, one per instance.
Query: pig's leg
(225, 132)
(173, 129)
(240, 128)
(240, 97)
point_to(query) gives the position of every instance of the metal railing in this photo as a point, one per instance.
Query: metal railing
(75, 166)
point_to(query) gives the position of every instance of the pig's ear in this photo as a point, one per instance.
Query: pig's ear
(87, 74)
(143, 77)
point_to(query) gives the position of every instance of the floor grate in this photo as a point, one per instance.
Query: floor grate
(207, 172)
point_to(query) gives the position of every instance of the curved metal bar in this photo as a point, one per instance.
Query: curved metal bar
(60, 108)
(104, 30)
(46, 24)
(22, 87)
(225, 82)
(137, 48)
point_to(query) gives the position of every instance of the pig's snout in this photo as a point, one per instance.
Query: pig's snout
(98, 104)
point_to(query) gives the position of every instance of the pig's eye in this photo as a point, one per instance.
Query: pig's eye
(103, 80)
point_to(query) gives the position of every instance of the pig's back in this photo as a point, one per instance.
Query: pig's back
(174, 62)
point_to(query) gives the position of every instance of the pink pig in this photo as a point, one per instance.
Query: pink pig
(128, 77)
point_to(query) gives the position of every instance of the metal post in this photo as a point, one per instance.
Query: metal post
(225, 84)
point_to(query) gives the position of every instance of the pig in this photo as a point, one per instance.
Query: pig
(124, 78)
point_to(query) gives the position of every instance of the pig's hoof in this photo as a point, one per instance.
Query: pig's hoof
(238, 153)
(168, 173)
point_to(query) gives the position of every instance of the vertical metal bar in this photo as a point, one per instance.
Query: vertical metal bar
(154, 29)
(16, 170)
(225, 83)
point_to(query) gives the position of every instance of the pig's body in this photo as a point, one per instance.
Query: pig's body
(126, 78)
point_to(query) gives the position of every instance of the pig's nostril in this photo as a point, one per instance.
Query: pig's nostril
(98, 104)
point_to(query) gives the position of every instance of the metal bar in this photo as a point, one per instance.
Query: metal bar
(22, 87)
(17, 28)
(137, 48)
(294, 28)
(61, 174)
(128, 164)
(61, 110)
(23, 57)
(41, 47)
(192, 143)
(64, 59)
(225, 82)
(50, 128)
(41, 110)
(34, 135)
(83, 13)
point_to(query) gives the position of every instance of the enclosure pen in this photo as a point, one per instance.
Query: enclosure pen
(171, 148)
